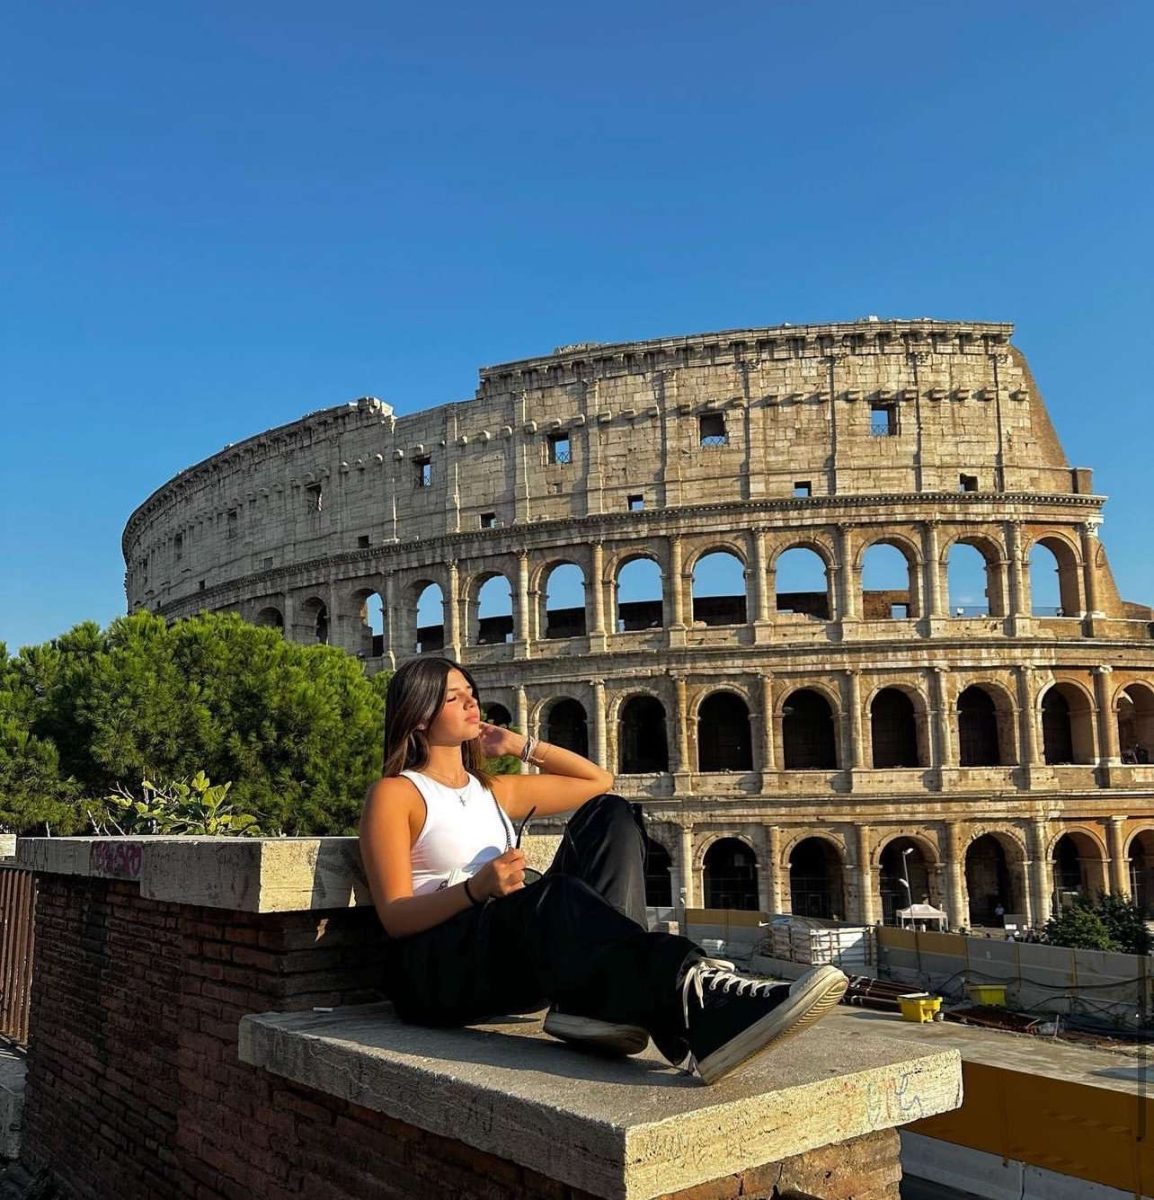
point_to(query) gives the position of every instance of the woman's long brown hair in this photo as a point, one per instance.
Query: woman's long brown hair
(413, 698)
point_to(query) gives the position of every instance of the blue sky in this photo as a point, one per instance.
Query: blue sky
(217, 217)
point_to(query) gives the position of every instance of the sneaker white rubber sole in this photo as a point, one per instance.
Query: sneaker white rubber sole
(605, 1036)
(810, 998)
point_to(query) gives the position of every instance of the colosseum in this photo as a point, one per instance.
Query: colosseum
(723, 565)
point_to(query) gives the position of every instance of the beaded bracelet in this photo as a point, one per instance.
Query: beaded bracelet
(527, 748)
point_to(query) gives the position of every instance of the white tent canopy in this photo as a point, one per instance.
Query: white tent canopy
(921, 912)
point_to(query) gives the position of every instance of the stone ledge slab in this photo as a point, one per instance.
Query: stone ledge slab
(623, 1130)
(261, 875)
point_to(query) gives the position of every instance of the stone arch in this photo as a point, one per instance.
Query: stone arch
(985, 726)
(368, 607)
(658, 874)
(898, 727)
(1140, 864)
(489, 606)
(802, 580)
(642, 740)
(270, 617)
(817, 870)
(1078, 860)
(714, 573)
(995, 875)
(889, 589)
(1134, 714)
(729, 874)
(903, 860)
(427, 600)
(312, 625)
(562, 592)
(926, 843)
(808, 731)
(497, 714)
(1066, 714)
(724, 734)
(565, 723)
(638, 592)
(973, 576)
(1061, 595)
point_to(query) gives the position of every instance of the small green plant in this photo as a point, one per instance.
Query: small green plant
(1107, 923)
(181, 806)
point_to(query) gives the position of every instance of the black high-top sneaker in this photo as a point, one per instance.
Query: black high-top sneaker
(607, 1037)
(729, 1018)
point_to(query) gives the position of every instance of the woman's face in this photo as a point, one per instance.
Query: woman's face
(459, 717)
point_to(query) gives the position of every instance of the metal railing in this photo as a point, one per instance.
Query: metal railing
(17, 910)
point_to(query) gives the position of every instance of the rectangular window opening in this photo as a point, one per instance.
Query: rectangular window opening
(423, 472)
(363, 541)
(635, 503)
(200, 586)
(711, 429)
(803, 487)
(233, 522)
(178, 546)
(314, 497)
(967, 483)
(489, 520)
(560, 449)
(899, 612)
(883, 419)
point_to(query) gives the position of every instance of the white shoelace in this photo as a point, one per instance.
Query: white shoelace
(718, 976)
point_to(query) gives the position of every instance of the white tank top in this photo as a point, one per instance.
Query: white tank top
(464, 828)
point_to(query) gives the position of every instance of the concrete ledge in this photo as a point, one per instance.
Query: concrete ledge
(262, 875)
(624, 1130)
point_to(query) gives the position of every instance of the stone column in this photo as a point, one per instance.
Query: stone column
(956, 876)
(1119, 863)
(867, 907)
(779, 875)
(1109, 750)
(600, 739)
(676, 585)
(853, 755)
(681, 764)
(688, 882)
(1043, 897)
(765, 729)
(935, 602)
(597, 590)
(389, 618)
(850, 610)
(452, 612)
(290, 619)
(522, 706)
(1028, 730)
(523, 636)
(1089, 538)
(942, 712)
(761, 578)
(1016, 597)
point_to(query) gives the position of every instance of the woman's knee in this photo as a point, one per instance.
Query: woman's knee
(610, 811)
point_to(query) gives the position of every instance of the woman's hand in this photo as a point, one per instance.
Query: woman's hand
(496, 740)
(500, 875)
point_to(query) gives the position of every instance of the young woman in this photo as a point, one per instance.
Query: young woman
(471, 936)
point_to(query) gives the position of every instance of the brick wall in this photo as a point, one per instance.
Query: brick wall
(135, 1091)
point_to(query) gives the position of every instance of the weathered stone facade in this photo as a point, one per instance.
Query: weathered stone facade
(839, 727)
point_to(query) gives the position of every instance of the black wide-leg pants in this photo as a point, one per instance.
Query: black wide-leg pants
(576, 938)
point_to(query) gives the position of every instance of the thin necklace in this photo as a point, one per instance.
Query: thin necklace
(460, 789)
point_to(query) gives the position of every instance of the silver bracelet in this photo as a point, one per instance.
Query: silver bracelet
(527, 748)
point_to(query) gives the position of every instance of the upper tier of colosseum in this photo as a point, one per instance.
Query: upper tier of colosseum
(778, 417)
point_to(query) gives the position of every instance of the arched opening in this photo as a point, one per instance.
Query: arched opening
(978, 742)
(658, 875)
(1136, 724)
(644, 749)
(567, 726)
(1079, 869)
(903, 877)
(723, 735)
(730, 875)
(991, 880)
(494, 607)
(270, 618)
(565, 602)
(719, 589)
(315, 621)
(816, 885)
(1142, 872)
(430, 619)
(639, 597)
(1054, 590)
(970, 582)
(801, 583)
(894, 730)
(807, 732)
(1067, 734)
(370, 609)
(887, 581)
(498, 714)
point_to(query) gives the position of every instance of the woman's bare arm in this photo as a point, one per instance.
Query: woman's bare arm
(566, 781)
(390, 822)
